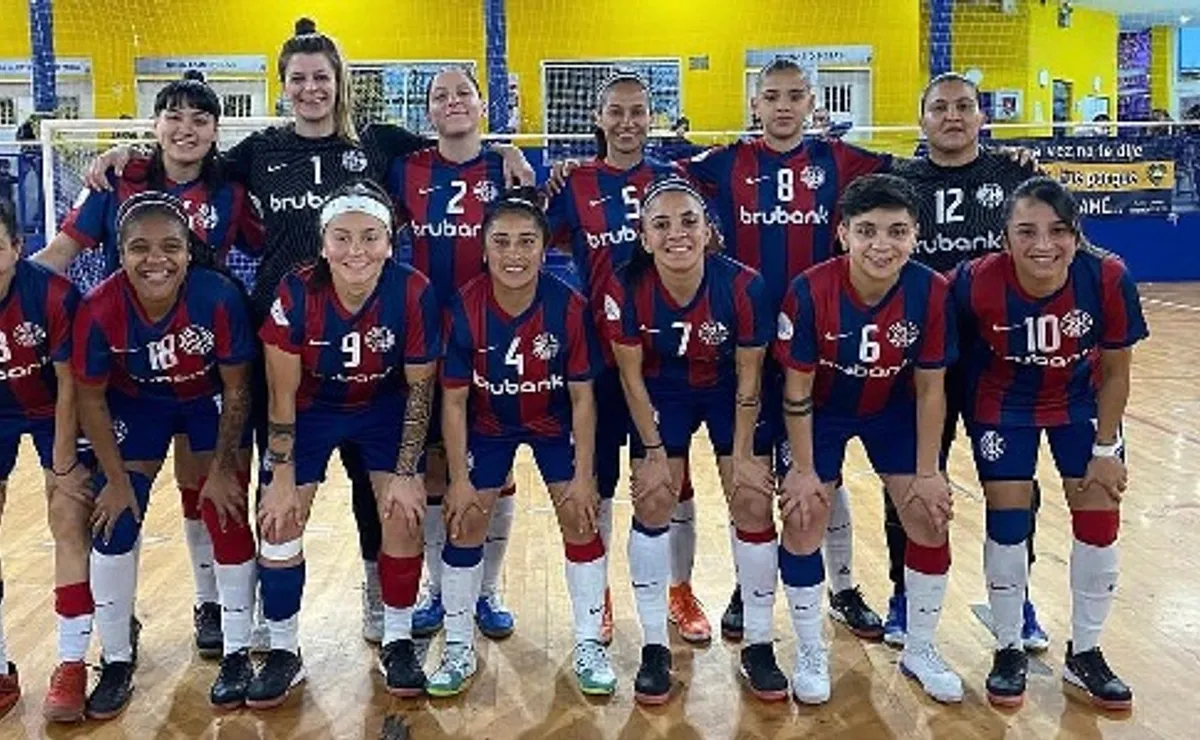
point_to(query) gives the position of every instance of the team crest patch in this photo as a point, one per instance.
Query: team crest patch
(470, 462)
(1076, 323)
(29, 334)
(196, 340)
(545, 346)
(991, 446)
(204, 217)
(813, 177)
(120, 430)
(713, 333)
(612, 309)
(353, 160)
(903, 334)
(380, 339)
(278, 315)
(784, 328)
(990, 195)
(486, 191)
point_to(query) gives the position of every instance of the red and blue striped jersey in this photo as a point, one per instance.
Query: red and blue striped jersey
(35, 333)
(173, 358)
(690, 347)
(518, 367)
(598, 215)
(443, 203)
(350, 358)
(778, 211)
(224, 218)
(863, 356)
(1036, 361)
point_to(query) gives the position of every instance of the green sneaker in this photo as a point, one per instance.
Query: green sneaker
(593, 669)
(455, 671)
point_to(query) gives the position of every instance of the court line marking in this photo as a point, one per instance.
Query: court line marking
(1171, 304)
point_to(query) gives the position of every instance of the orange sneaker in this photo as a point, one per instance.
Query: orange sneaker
(10, 690)
(68, 693)
(686, 613)
(606, 620)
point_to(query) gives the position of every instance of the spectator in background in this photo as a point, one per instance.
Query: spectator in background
(679, 146)
(1160, 114)
(821, 122)
(8, 182)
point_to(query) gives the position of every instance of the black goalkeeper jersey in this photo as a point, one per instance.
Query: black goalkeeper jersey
(291, 175)
(962, 208)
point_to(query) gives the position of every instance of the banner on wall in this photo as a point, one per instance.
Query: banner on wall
(1110, 177)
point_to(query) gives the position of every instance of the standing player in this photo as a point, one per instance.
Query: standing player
(866, 338)
(1052, 322)
(163, 347)
(776, 199)
(689, 329)
(346, 342)
(520, 357)
(441, 193)
(185, 162)
(596, 216)
(37, 397)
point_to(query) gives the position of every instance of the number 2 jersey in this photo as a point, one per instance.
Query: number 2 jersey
(1035, 362)
(350, 358)
(518, 367)
(35, 333)
(862, 355)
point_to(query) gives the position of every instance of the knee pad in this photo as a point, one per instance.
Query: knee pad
(127, 529)
(282, 589)
(281, 552)
(234, 544)
(1009, 526)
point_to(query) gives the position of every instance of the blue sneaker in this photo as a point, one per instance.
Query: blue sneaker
(428, 616)
(1035, 638)
(493, 619)
(896, 625)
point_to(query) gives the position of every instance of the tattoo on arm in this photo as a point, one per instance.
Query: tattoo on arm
(803, 407)
(416, 425)
(747, 401)
(235, 409)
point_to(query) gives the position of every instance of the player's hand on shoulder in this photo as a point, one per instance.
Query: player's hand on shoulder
(115, 159)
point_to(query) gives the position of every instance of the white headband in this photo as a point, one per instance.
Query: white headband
(355, 204)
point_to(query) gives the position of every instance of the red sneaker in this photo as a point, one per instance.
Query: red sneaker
(68, 693)
(10, 690)
(686, 613)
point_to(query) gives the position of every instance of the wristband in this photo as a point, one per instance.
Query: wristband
(1109, 450)
(658, 446)
(67, 471)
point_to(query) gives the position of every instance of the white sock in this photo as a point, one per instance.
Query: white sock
(649, 569)
(74, 635)
(757, 573)
(804, 604)
(435, 540)
(604, 521)
(839, 542)
(236, 584)
(1007, 575)
(683, 541)
(371, 582)
(285, 633)
(114, 582)
(397, 623)
(496, 543)
(586, 583)
(925, 596)
(1093, 583)
(460, 590)
(200, 550)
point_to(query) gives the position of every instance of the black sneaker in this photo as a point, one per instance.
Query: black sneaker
(847, 606)
(731, 620)
(402, 669)
(112, 692)
(761, 673)
(270, 687)
(1006, 681)
(135, 636)
(209, 639)
(233, 681)
(653, 682)
(1090, 673)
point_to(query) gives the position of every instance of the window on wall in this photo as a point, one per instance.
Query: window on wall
(394, 92)
(237, 105)
(68, 106)
(8, 112)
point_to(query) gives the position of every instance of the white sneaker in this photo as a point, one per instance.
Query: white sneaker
(923, 663)
(593, 670)
(372, 608)
(810, 681)
(455, 671)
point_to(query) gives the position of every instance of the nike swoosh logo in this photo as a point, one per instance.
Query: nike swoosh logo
(762, 594)
(484, 350)
(317, 343)
(835, 337)
(757, 180)
(642, 585)
(276, 167)
(648, 330)
(998, 327)
(426, 191)
(594, 203)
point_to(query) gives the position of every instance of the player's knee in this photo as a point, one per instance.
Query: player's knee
(750, 509)
(68, 520)
(400, 534)
(233, 543)
(471, 530)
(919, 527)
(123, 538)
(798, 538)
(281, 550)
(653, 508)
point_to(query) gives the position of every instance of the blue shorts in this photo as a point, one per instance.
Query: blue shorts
(890, 438)
(612, 430)
(680, 416)
(144, 427)
(374, 429)
(489, 460)
(1011, 453)
(42, 432)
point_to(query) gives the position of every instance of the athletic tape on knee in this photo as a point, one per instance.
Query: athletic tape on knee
(1009, 526)
(282, 551)
(126, 531)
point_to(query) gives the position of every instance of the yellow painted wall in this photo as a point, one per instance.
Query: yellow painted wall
(1162, 67)
(995, 43)
(14, 29)
(1079, 54)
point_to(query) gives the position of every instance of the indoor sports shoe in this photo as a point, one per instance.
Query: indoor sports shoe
(1035, 638)
(1006, 681)
(402, 669)
(206, 619)
(847, 606)
(652, 685)
(428, 616)
(593, 670)
(1089, 672)
(685, 612)
(761, 673)
(494, 620)
(925, 664)
(282, 671)
(731, 620)
(135, 637)
(606, 620)
(372, 616)
(112, 692)
(810, 679)
(10, 689)
(232, 684)
(896, 626)
(66, 699)
(457, 668)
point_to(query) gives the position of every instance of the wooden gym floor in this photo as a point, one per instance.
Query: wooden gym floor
(525, 688)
